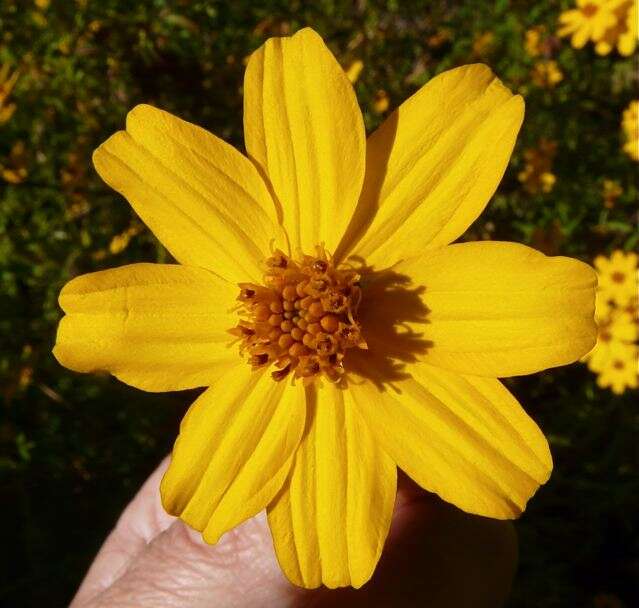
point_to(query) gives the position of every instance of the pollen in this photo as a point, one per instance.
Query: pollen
(302, 319)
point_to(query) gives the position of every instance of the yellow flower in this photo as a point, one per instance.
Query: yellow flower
(121, 241)
(7, 82)
(623, 34)
(354, 70)
(537, 176)
(381, 102)
(618, 277)
(588, 22)
(611, 191)
(627, 42)
(533, 40)
(483, 43)
(439, 38)
(620, 371)
(546, 74)
(15, 171)
(630, 125)
(614, 325)
(77, 206)
(319, 299)
(614, 357)
(39, 19)
(607, 23)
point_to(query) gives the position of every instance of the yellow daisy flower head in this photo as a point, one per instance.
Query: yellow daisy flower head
(354, 70)
(537, 175)
(533, 40)
(618, 277)
(588, 21)
(439, 38)
(630, 125)
(121, 241)
(627, 42)
(14, 170)
(381, 102)
(621, 371)
(483, 44)
(615, 325)
(623, 34)
(7, 83)
(319, 299)
(546, 74)
(610, 192)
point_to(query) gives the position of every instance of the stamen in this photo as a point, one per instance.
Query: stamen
(302, 318)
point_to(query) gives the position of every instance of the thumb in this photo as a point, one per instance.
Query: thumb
(178, 569)
(153, 559)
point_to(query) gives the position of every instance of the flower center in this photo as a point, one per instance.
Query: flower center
(618, 277)
(590, 10)
(302, 319)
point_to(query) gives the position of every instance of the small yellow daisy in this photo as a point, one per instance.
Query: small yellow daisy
(354, 70)
(621, 371)
(615, 326)
(547, 74)
(623, 34)
(611, 190)
(618, 276)
(587, 22)
(533, 39)
(630, 125)
(7, 83)
(537, 175)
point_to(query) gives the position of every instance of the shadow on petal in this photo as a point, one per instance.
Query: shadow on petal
(390, 302)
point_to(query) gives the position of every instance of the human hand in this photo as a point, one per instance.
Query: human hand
(435, 556)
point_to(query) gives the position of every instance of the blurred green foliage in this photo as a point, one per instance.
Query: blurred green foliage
(74, 448)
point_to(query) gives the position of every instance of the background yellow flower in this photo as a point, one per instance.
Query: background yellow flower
(7, 82)
(618, 277)
(381, 102)
(354, 70)
(630, 125)
(614, 357)
(537, 175)
(619, 371)
(533, 40)
(546, 74)
(607, 23)
(588, 21)
(611, 191)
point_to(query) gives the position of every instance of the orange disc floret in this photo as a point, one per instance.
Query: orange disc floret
(302, 319)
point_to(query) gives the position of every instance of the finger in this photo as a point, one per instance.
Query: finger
(142, 520)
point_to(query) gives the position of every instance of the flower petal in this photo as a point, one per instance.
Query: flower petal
(433, 165)
(202, 198)
(235, 448)
(331, 518)
(304, 129)
(463, 437)
(503, 309)
(159, 327)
